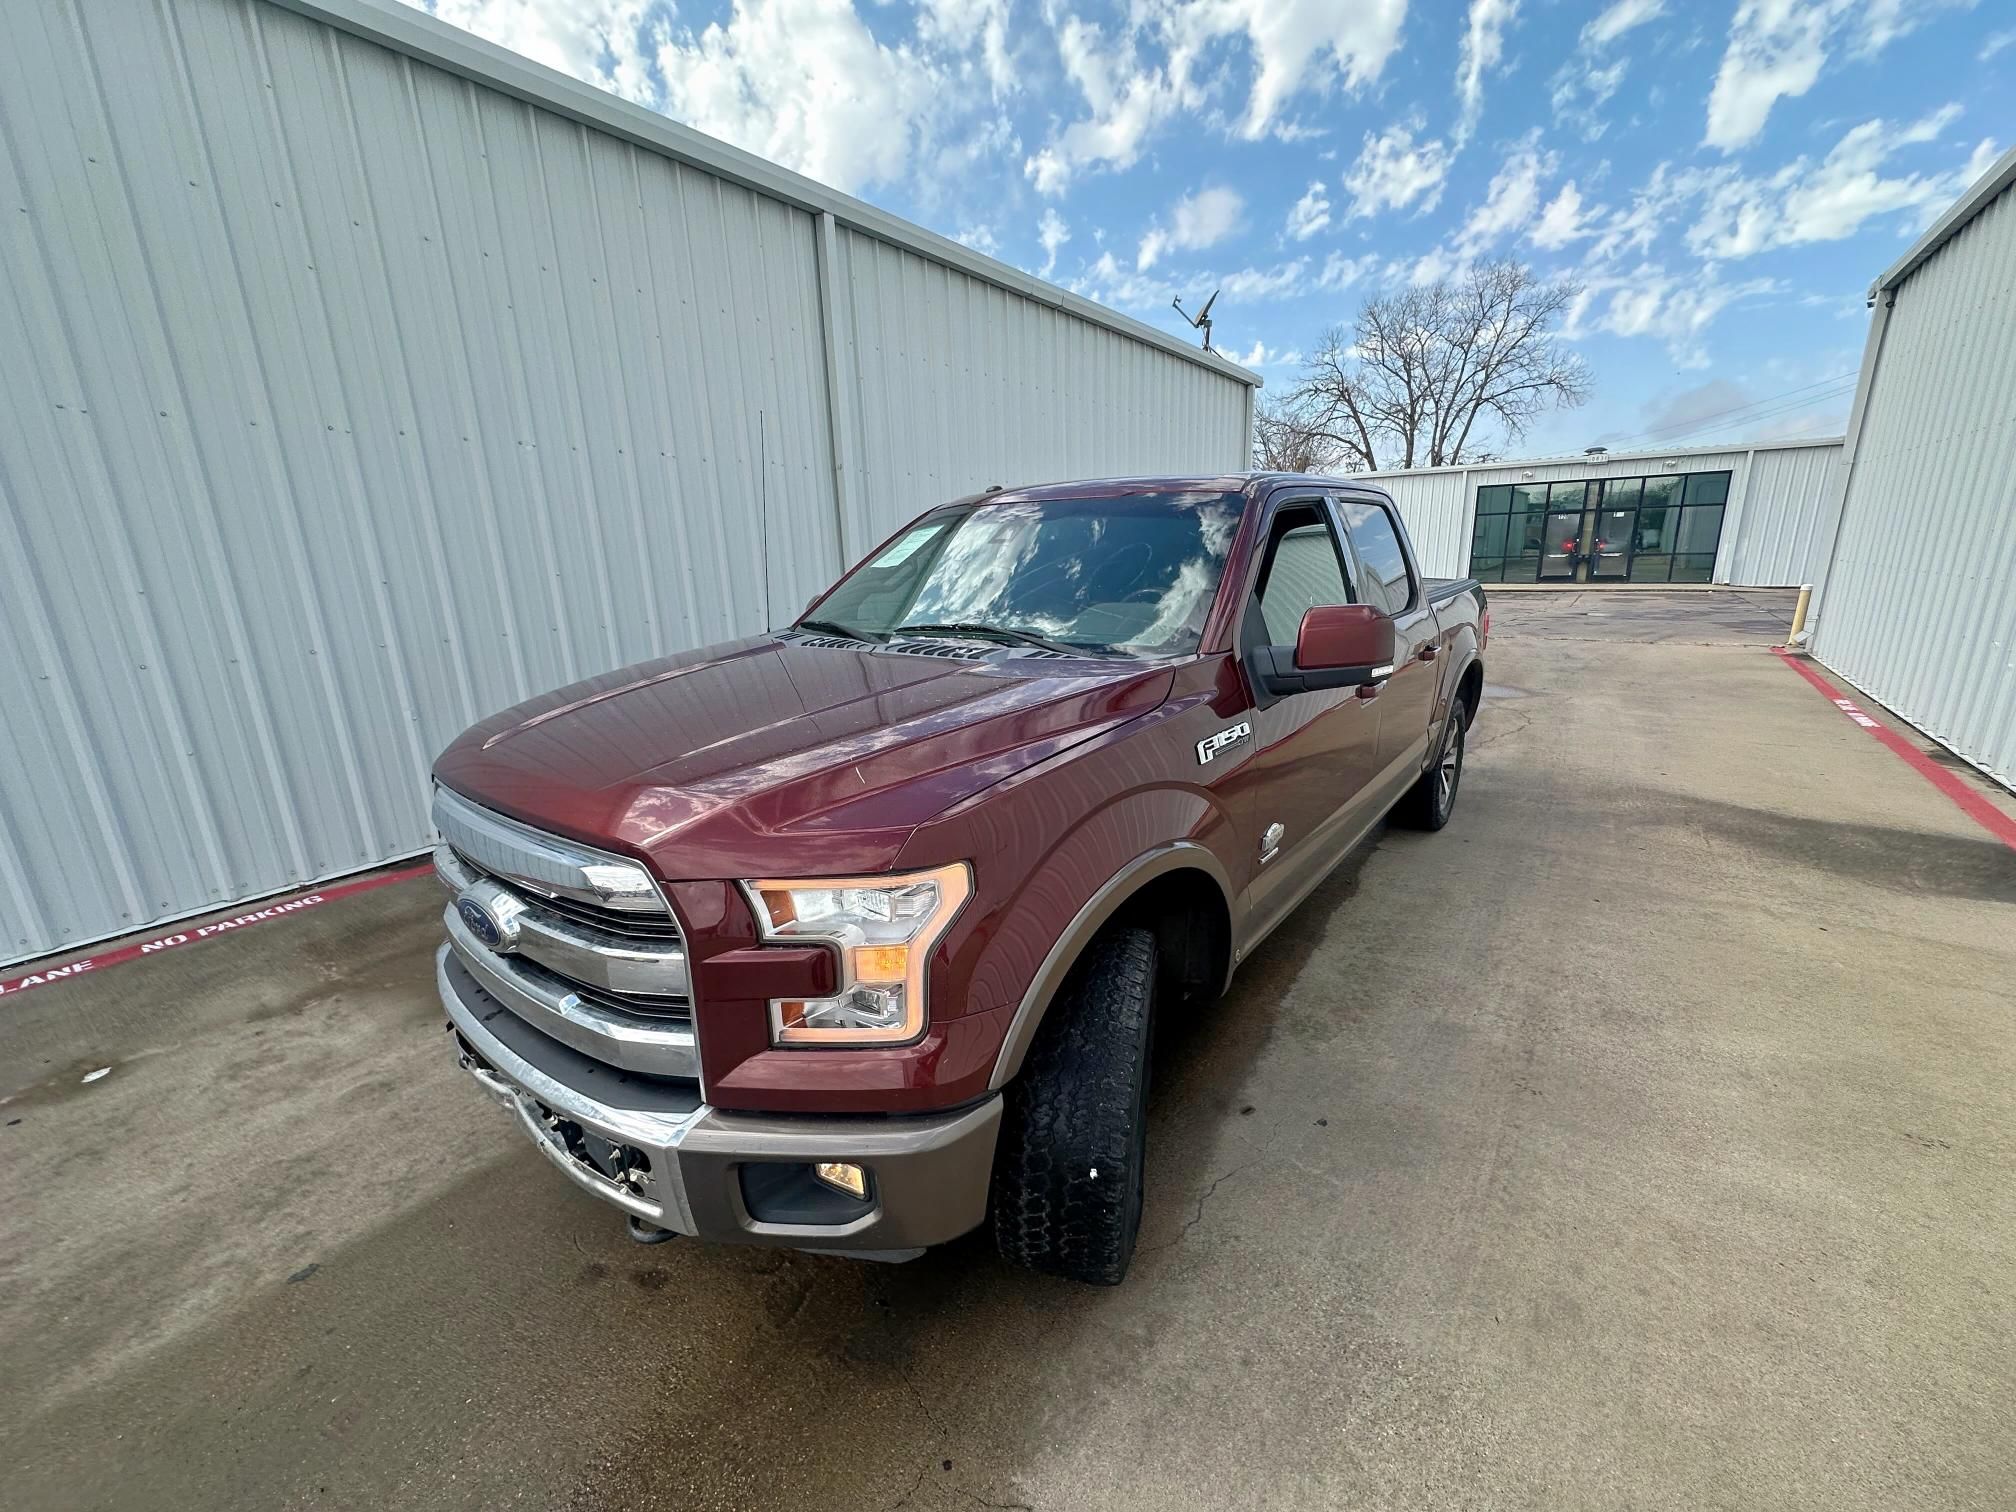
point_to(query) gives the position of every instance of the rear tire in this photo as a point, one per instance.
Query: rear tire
(1431, 801)
(1068, 1169)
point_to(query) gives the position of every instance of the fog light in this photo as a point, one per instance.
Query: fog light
(842, 1176)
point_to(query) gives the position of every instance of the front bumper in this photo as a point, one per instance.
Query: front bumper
(650, 1146)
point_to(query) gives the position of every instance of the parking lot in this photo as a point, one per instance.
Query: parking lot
(1643, 1139)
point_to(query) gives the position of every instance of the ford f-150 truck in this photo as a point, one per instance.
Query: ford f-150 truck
(853, 936)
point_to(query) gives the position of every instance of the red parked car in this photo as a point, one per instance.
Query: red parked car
(852, 937)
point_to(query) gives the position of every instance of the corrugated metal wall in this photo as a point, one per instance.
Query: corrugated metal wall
(344, 400)
(1438, 508)
(1919, 607)
(1769, 534)
(956, 379)
(1775, 532)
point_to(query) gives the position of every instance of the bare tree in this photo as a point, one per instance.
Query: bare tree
(1287, 438)
(1428, 375)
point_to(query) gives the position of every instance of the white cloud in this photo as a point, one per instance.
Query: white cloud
(1805, 202)
(959, 23)
(1110, 284)
(806, 84)
(1291, 39)
(1135, 76)
(1582, 88)
(1512, 200)
(1433, 265)
(1561, 222)
(1310, 214)
(1051, 234)
(1584, 84)
(1483, 46)
(1197, 221)
(980, 239)
(1636, 228)
(1393, 171)
(1340, 272)
(1624, 16)
(600, 42)
(1266, 283)
(1777, 48)
(1649, 301)
(1264, 356)
(1126, 101)
(1998, 42)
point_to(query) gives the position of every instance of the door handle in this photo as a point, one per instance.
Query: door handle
(1429, 653)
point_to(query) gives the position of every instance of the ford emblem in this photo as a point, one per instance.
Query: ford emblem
(480, 922)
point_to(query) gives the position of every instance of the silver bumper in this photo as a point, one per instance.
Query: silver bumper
(930, 1172)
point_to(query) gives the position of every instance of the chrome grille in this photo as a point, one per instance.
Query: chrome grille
(558, 933)
(629, 926)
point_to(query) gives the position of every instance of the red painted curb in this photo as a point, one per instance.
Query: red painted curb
(1971, 803)
(170, 941)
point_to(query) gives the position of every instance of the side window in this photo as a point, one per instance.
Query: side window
(1378, 546)
(1303, 568)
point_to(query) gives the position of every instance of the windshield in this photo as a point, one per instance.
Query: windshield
(1134, 573)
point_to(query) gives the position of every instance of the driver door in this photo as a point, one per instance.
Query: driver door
(1308, 790)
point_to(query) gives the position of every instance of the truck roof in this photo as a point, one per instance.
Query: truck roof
(1234, 482)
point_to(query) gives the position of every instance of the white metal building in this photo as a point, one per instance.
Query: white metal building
(1916, 603)
(359, 378)
(1507, 521)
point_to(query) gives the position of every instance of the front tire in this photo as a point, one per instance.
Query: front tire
(1068, 1169)
(1431, 801)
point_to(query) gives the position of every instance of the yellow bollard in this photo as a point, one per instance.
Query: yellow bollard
(1799, 615)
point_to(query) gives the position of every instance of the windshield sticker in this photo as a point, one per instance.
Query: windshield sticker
(907, 547)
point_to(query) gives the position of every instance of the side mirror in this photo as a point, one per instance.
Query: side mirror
(1340, 637)
(1337, 646)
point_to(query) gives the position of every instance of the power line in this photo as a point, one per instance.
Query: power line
(1769, 412)
(1685, 427)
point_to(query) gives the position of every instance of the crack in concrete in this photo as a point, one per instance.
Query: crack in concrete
(1198, 1216)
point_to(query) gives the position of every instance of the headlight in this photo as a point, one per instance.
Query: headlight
(885, 928)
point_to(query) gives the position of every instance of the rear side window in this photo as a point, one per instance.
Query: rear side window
(1378, 546)
(1303, 569)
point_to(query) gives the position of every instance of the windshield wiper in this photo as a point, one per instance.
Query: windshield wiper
(831, 627)
(1002, 633)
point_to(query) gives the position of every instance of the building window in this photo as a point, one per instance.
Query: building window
(1662, 528)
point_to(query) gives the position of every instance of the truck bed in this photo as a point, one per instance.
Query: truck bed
(1441, 590)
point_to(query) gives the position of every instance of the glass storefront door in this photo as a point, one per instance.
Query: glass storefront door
(1663, 528)
(1561, 551)
(1610, 551)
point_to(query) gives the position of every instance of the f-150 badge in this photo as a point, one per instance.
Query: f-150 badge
(1209, 747)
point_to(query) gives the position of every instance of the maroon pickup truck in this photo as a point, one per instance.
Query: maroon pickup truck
(853, 937)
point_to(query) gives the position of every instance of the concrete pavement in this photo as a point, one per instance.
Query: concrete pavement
(1644, 1139)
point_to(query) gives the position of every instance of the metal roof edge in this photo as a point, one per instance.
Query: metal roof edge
(1607, 457)
(2001, 173)
(413, 32)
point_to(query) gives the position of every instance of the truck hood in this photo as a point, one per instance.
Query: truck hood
(771, 756)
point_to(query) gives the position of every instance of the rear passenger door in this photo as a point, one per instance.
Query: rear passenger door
(1407, 699)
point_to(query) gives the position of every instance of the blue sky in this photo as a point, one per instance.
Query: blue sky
(1724, 179)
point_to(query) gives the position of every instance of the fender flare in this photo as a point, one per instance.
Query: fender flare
(1178, 855)
(1474, 659)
